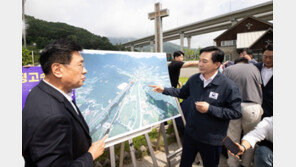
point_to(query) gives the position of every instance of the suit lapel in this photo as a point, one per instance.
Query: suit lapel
(260, 66)
(80, 119)
(61, 98)
(270, 80)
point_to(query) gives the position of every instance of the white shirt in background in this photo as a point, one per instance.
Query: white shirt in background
(264, 130)
(266, 74)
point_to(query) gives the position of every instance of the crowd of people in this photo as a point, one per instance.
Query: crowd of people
(232, 103)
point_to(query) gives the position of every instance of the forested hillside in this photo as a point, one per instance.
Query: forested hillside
(42, 32)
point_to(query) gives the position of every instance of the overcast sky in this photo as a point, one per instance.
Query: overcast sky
(129, 18)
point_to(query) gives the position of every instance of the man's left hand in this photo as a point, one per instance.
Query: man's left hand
(202, 106)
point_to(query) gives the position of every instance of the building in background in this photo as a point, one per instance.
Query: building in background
(250, 33)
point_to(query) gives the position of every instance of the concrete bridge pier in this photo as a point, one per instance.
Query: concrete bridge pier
(189, 42)
(132, 48)
(151, 46)
(181, 41)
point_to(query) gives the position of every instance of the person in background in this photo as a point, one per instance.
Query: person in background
(176, 65)
(263, 156)
(248, 54)
(174, 73)
(248, 79)
(266, 70)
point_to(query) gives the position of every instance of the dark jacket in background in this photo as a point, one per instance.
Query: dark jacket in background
(267, 91)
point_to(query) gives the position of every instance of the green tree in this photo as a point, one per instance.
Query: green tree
(72, 37)
(197, 53)
(26, 57)
(190, 54)
(42, 33)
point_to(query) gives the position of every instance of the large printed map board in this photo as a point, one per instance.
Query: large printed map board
(115, 97)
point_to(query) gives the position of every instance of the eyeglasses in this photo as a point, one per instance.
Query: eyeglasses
(267, 57)
(81, 66)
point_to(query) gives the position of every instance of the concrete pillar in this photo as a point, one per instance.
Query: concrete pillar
(189, 42)
(182, 41)
(158, 35)
(151, 46)
(132, 48)
(141, 48)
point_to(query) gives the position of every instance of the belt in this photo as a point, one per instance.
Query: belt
(247, 101)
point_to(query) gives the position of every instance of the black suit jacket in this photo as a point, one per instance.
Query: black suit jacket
(53, 133)
(267, 91)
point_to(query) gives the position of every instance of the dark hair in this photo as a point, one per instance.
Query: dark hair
(268, 47)
(178, 53)
(59, 51)
(248, 51)
(241, 60)
(217, 56)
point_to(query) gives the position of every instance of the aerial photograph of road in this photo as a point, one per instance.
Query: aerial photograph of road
(115, 98)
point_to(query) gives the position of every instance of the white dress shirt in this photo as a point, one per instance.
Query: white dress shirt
(266, 74)
(68, 95)
(206, 82)
(264, 130)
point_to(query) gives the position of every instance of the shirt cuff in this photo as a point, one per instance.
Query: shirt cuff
(89, 158)
(251, 140)
(165, 92)
(210, 110)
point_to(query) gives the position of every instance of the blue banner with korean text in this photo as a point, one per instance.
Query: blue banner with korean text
(30, 78)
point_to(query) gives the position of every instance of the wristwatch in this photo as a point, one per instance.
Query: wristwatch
(244, 148)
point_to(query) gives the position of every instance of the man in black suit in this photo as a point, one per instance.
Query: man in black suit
(54, 131)
(266, 69)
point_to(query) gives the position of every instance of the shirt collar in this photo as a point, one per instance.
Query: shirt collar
(210, 79)
(265, 68)
(67, 95)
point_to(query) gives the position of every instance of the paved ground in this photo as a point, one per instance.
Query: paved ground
(187, 72)
(162, 162)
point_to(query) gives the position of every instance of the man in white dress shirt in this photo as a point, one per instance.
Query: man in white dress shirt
(263, 155)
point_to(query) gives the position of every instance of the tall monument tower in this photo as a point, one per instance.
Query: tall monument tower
(157, 17)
